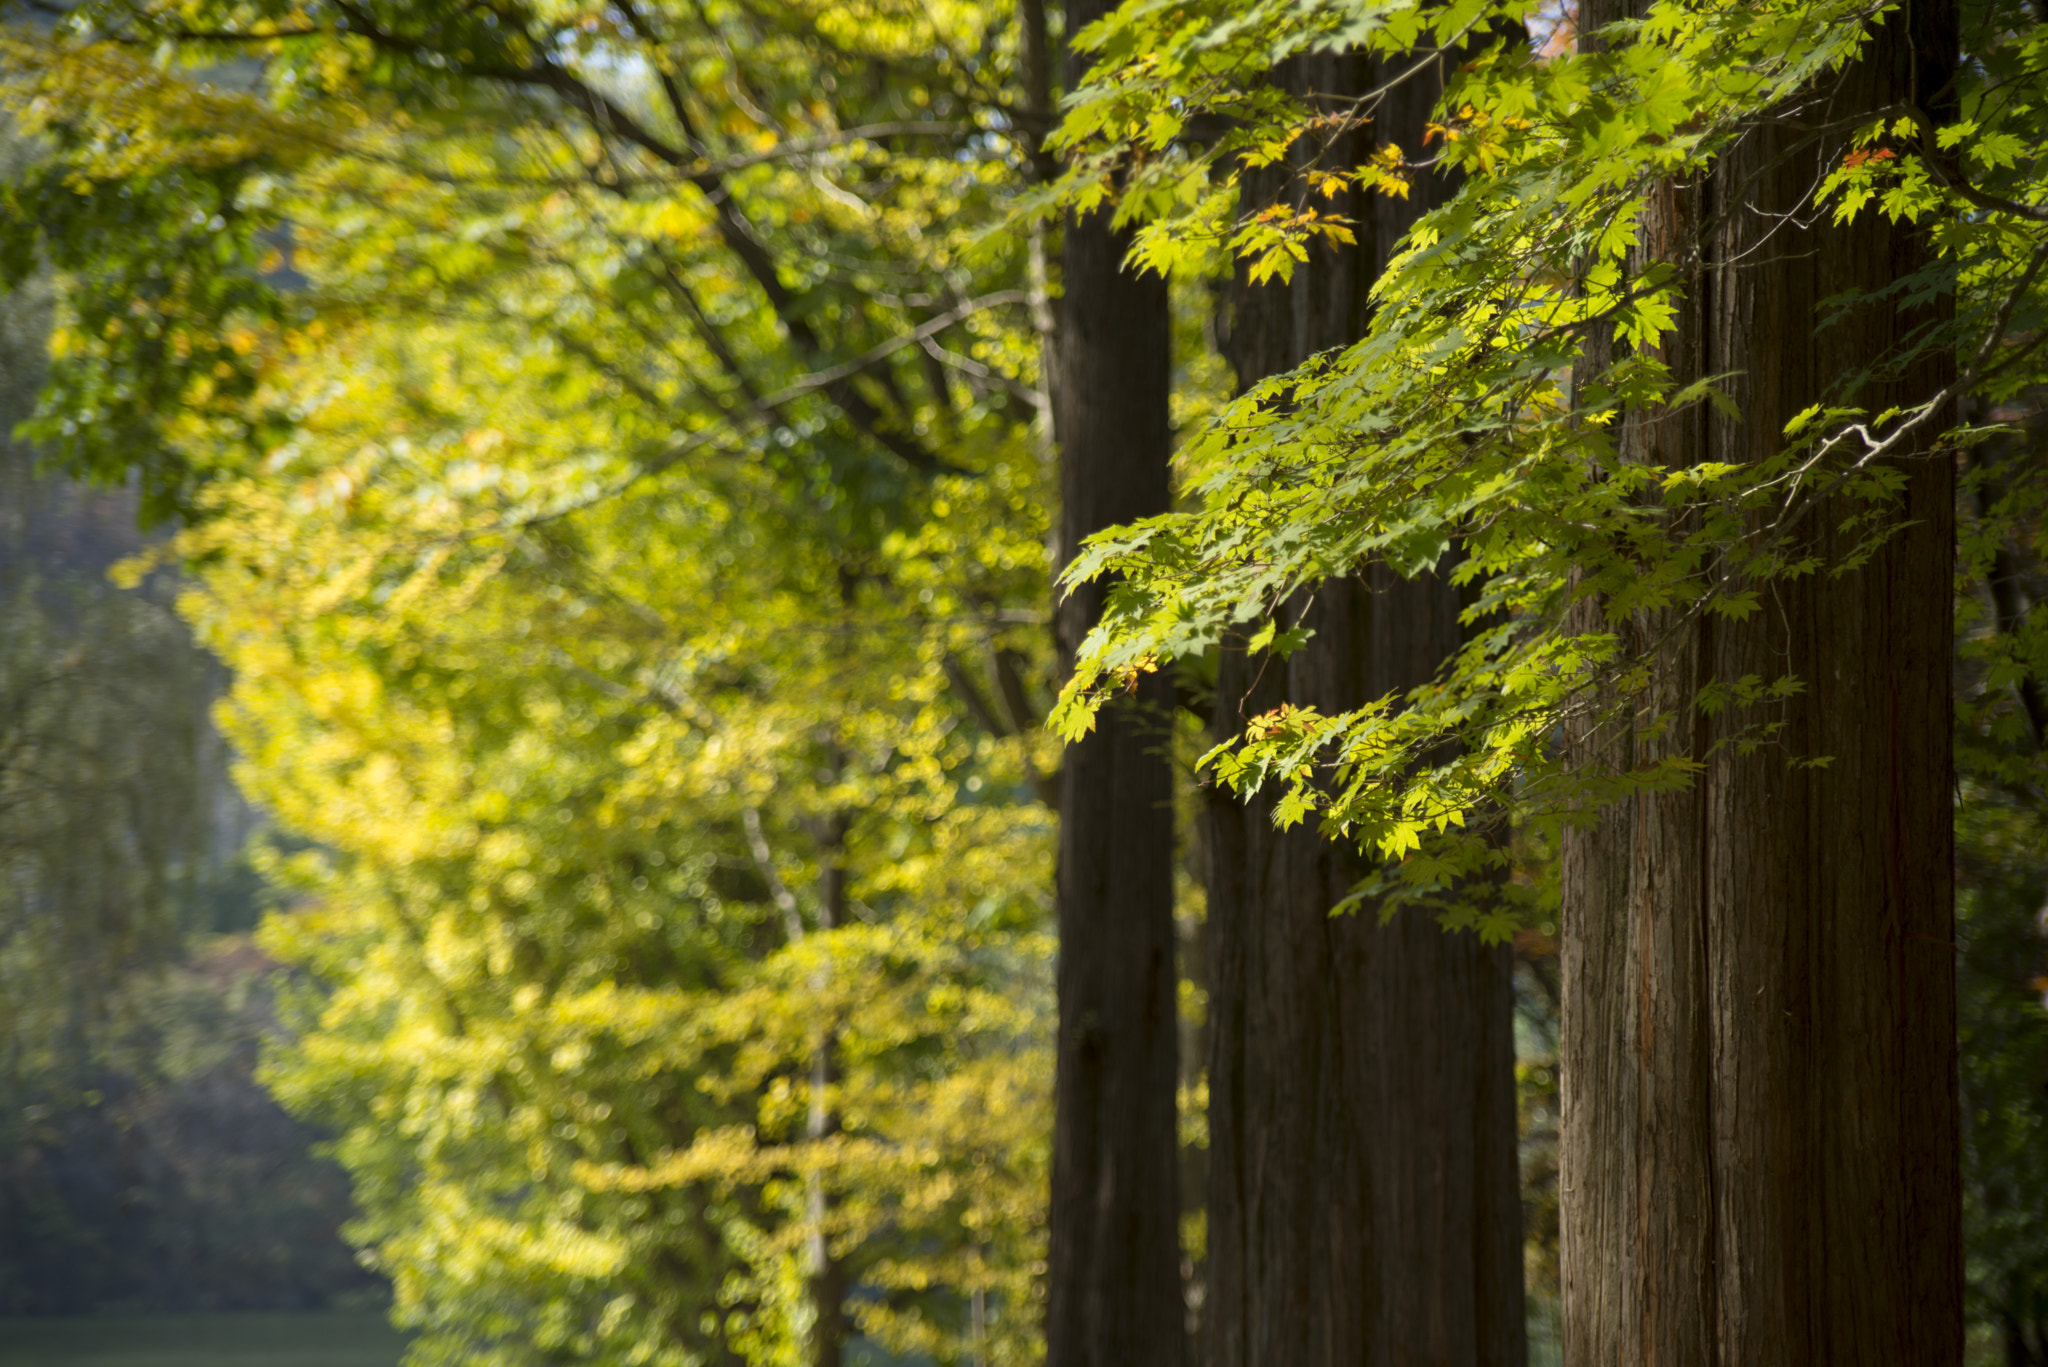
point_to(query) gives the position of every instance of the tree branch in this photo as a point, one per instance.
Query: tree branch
(764, 864)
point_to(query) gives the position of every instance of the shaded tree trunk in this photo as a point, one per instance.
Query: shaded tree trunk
(2019, 1352)
(1759, 1150)
(1113, 1266)
(1364, 1202)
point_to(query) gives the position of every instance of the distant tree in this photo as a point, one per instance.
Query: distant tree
(106, 775)
(140, 1163)
(161, 1176)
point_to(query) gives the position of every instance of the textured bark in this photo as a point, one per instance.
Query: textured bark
(1760, 1158)
(1364, 1206)
(1113, 1287)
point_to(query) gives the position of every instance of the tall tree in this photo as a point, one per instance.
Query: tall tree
(1759, 1137)
(1113, 1294)
(1716, 564)
(1364, 1201)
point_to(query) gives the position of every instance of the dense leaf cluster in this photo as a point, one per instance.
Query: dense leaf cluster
(617, 468)
(1472, 430)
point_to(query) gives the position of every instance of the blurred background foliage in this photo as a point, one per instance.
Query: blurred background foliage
(2002, 875)
(641, 643)
(141, 1164)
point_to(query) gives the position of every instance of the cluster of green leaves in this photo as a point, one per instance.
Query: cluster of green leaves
(1179, 106)
(1472, 430)
(616, 470)
(577, 789)
(166, 255)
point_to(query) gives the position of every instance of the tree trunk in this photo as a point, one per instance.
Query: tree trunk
(1113, 1294)
(827, 1273)
(1759, 1157)
(1364, 1203)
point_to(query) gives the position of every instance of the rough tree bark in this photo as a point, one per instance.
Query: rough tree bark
(1364, 1203)
(1760, 1159)
(1113, 1291)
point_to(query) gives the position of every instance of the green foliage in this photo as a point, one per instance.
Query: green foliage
(2002, 964)
(104, 770)
(140, 1164)
(721, 211)
(1469, 416)
(2002, 982)
(580, 784)
(627, 534)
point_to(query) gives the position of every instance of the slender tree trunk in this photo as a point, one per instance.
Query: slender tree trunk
(1759, 1157)
(827, 1273)
(1364, 1201)
(1034, 45)
(1113, 1268)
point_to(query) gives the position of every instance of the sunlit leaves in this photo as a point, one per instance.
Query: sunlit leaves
(601, 520)
(1474, 414)
(553, 956)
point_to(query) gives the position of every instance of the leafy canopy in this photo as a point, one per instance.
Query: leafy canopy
(1471, 431)
(616, 476)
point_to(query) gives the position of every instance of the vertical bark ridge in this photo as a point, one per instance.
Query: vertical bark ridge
(1364, 1202)
(1113, 1262)
(1759, 1074)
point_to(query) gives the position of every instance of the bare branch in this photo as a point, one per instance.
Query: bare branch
(764, 864)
